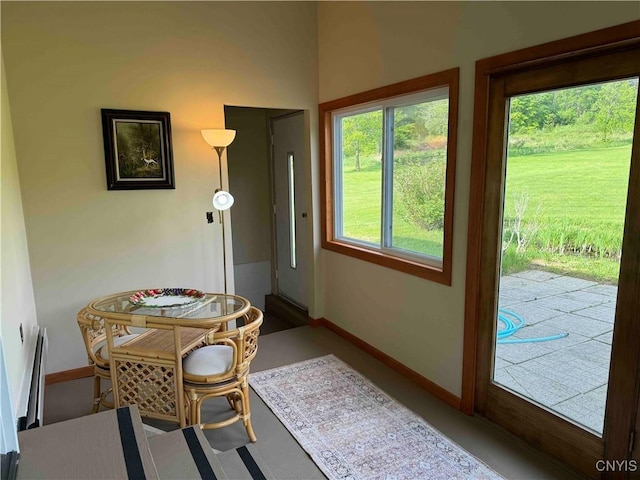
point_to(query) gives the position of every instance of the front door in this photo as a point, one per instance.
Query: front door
(290, 209)
(559, 296)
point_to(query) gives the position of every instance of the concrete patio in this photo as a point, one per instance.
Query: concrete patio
(568, 375)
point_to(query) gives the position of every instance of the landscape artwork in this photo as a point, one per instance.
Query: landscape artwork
(137, 149)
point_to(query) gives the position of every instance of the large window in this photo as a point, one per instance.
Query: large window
(389, 162)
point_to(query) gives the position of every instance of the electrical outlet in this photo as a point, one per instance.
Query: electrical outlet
(21, 334)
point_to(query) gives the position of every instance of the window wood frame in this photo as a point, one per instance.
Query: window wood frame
(448, 78)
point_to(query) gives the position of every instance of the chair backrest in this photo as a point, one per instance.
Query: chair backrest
(95, 337)
(244, 343)
(249, 337)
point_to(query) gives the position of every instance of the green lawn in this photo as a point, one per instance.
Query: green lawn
(362, 205)
(583, 186)
(577, 198)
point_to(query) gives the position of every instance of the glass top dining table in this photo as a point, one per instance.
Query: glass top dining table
(147, 369)
(212, 309)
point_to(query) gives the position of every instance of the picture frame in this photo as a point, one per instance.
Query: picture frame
(137, 149)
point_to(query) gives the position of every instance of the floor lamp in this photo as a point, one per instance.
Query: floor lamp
(219, 139)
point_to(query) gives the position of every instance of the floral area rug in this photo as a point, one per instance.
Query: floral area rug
(353, 430)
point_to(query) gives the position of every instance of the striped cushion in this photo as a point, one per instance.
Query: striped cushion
(210, 360)
(117, 341)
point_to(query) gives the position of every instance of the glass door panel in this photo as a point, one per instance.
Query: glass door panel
(563, 215)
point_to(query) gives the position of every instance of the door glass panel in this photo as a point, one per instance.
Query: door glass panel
(292, 211)
(567, 173)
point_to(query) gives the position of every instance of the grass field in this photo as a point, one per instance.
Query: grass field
(576, 198)
(583, 186)
(362, 205)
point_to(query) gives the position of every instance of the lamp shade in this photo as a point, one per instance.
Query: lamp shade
(222, 200)
(218, 137)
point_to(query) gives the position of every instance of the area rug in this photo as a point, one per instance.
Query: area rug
(353, 430)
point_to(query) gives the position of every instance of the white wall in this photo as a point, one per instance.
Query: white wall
(17, 305)
(65, 61)
(364, 45)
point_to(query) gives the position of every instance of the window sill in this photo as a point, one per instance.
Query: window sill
(428, 272)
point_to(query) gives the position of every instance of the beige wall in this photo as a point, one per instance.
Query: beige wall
(363, 45)
(17, 303)
(65, 61)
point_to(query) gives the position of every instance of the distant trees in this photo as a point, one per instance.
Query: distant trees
(615, 108)
(419, 145)
(414, 127)
(415, 124)
(362, 135)
(608, 107)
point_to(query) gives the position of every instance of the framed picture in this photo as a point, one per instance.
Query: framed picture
(137, 149)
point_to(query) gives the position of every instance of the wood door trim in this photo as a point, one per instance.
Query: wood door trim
(544, 78)
(618, 38)
(586, 44)
(492, 199)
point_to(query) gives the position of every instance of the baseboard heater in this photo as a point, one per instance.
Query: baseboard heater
(35, 408)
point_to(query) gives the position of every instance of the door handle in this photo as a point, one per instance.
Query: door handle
(304, 214)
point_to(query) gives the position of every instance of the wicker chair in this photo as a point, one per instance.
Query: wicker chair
(221, 369)
(95, 338)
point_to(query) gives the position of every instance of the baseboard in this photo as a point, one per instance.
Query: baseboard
(315, 322)
(66, 375)
(424, 383)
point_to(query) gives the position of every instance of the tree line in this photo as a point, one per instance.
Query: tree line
(607, 107)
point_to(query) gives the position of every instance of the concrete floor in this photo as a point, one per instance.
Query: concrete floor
(568, 375)
(507, 454)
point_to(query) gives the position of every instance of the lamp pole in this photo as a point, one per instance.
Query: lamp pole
(219, 139)
(221, 218)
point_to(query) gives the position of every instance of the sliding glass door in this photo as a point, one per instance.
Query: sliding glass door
(560, 257)
(565, 194)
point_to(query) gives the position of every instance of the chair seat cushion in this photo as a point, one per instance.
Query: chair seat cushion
(117, 341)
(209, 360)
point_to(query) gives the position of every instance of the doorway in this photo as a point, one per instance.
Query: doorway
(267, 175)
(557, 247)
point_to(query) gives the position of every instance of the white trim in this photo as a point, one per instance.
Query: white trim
(387, 107)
